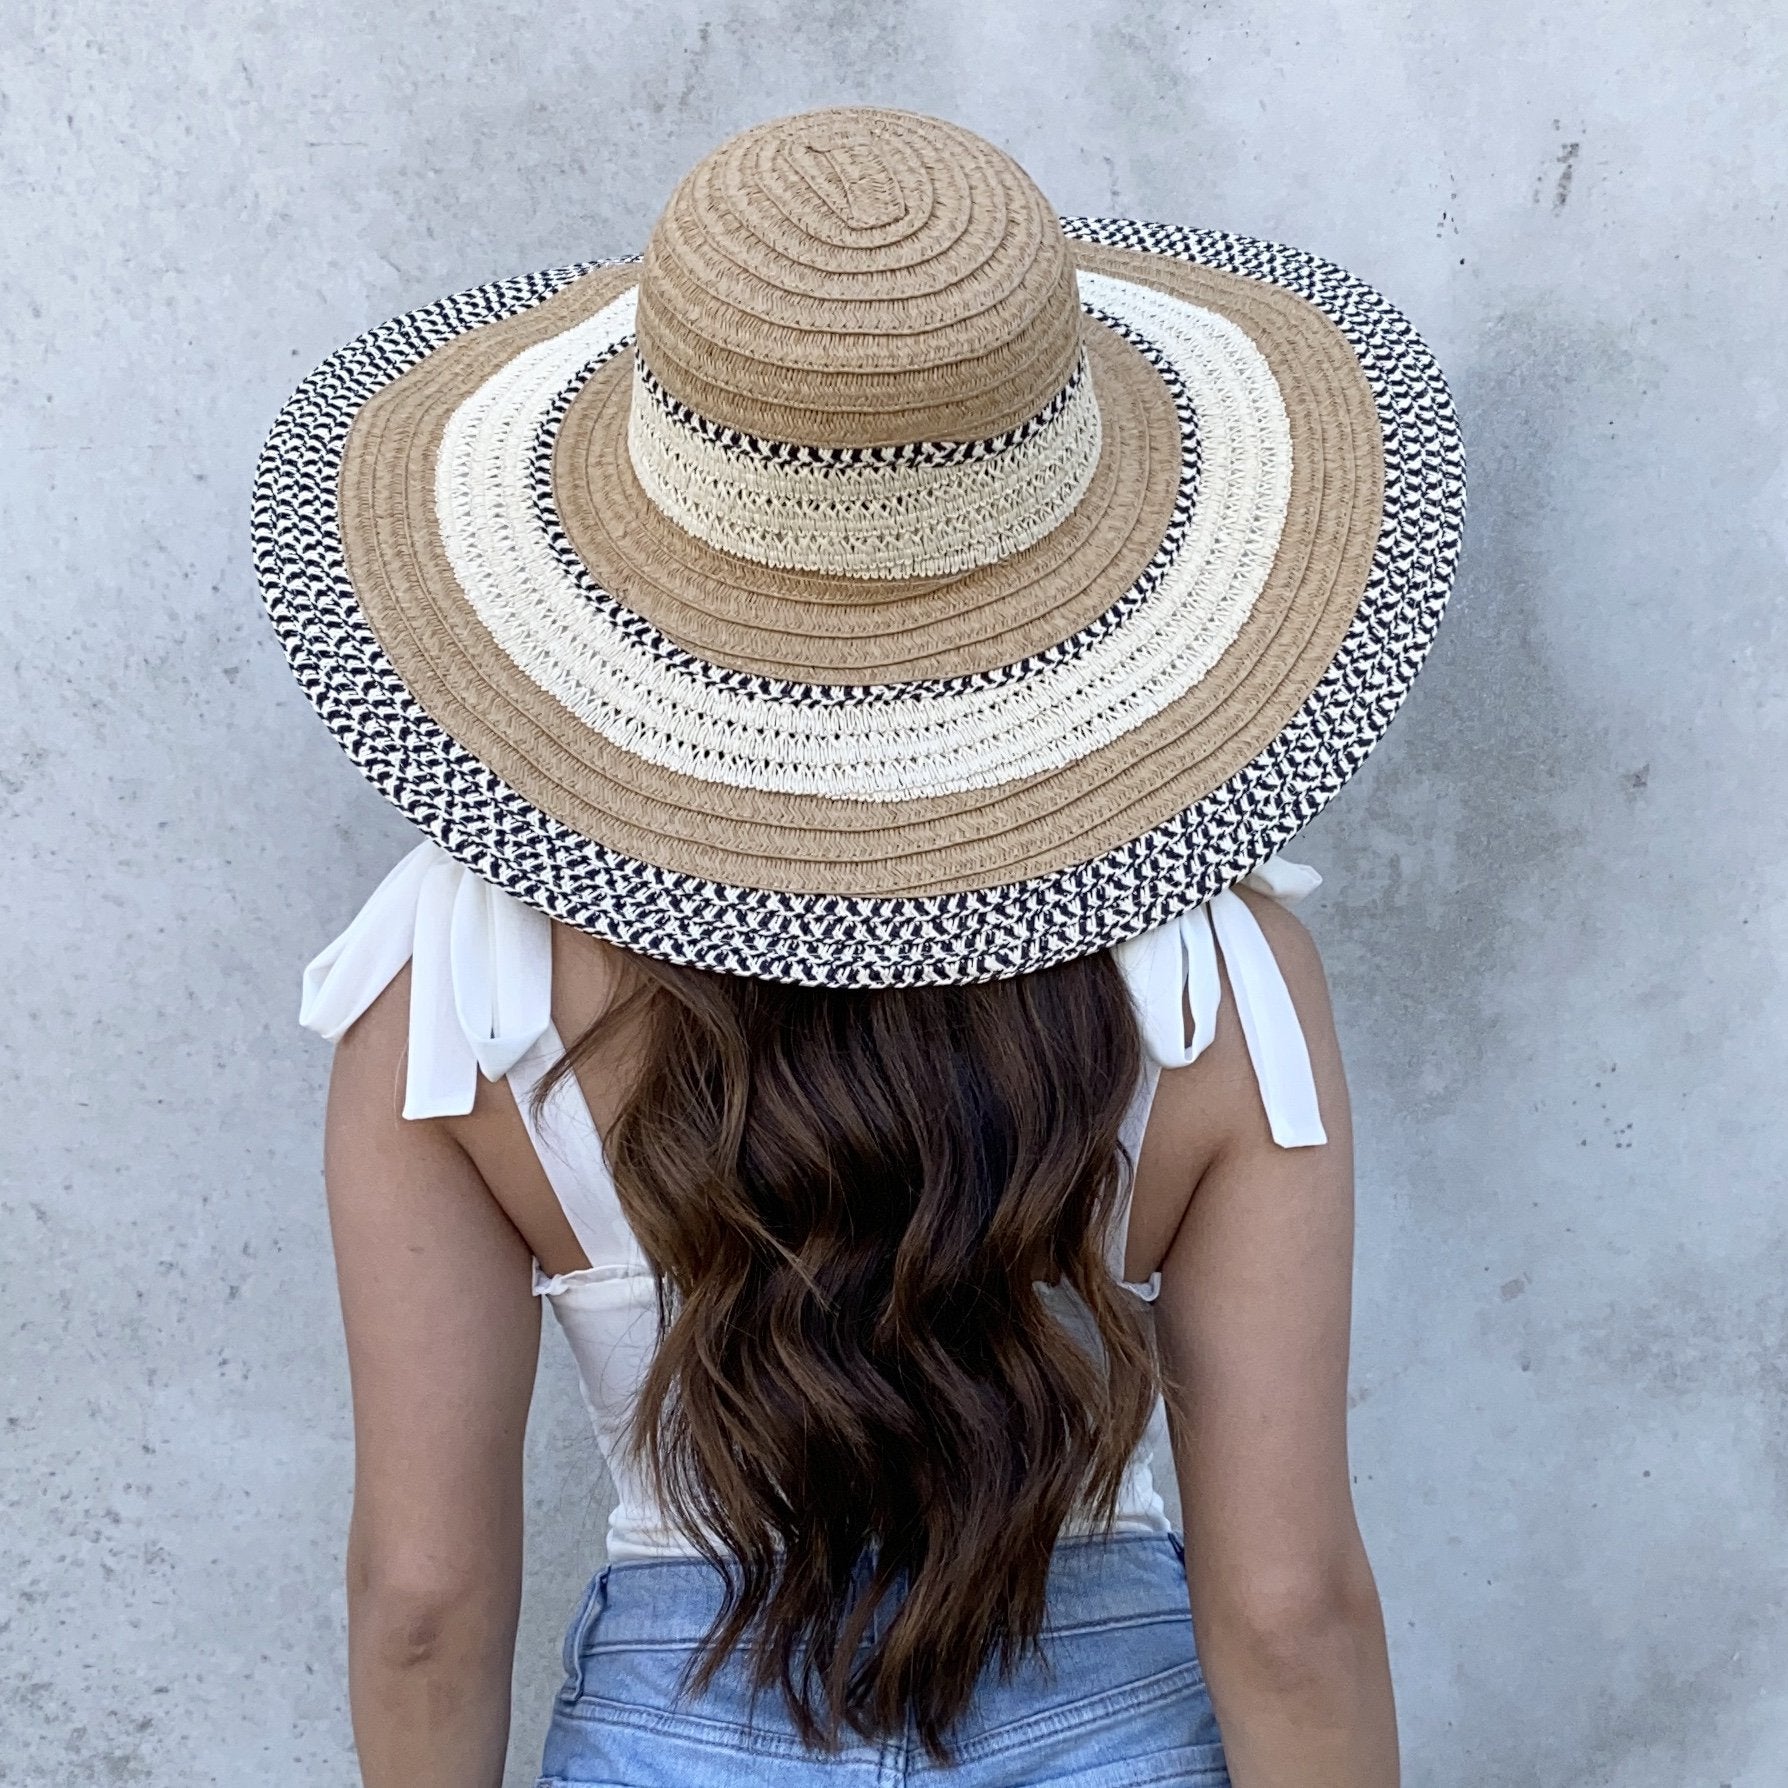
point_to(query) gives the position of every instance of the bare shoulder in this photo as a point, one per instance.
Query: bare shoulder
(1210, 1111)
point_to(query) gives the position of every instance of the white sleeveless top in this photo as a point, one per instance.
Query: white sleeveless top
(481, 1002)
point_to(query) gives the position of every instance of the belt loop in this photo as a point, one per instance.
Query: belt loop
(589, 1610)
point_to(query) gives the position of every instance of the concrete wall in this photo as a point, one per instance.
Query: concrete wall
(1554, 917)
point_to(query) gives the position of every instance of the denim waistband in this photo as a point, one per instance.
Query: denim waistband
(1094, 1580)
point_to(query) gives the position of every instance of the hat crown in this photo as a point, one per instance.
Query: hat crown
(859, 277)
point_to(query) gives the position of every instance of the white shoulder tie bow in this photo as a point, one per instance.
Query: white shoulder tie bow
(1182, 955)
(481, 977)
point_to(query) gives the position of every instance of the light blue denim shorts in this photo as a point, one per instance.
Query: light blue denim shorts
(1125, 1704)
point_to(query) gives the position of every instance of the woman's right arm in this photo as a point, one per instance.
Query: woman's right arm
(442, 1330)
(1253, 1315)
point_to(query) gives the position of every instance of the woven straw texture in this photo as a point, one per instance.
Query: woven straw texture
(877, 582)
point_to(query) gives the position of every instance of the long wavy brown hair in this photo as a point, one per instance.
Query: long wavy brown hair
(888, 1331)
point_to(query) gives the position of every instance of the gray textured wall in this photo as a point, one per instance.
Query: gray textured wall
(1554, 914)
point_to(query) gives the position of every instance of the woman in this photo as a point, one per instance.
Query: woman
(854, 666)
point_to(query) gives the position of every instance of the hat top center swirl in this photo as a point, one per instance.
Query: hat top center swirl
(852, 178)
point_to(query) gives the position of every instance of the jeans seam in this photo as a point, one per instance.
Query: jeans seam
(1102, 1709)
(1121, 1623)
(1209, 1775)
(696, 1728)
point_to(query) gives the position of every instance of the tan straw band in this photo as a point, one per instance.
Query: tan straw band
(917, 509)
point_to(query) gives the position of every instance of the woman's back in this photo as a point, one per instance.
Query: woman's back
(488, 985)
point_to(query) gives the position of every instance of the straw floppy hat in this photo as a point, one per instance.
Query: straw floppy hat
(880, 580)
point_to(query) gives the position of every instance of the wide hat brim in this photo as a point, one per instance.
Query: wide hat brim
(849, 782)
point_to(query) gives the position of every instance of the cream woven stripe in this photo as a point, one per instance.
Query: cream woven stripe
(870, 520)
(968, 738)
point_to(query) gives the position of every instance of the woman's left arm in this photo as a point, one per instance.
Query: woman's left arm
(443, 1334)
